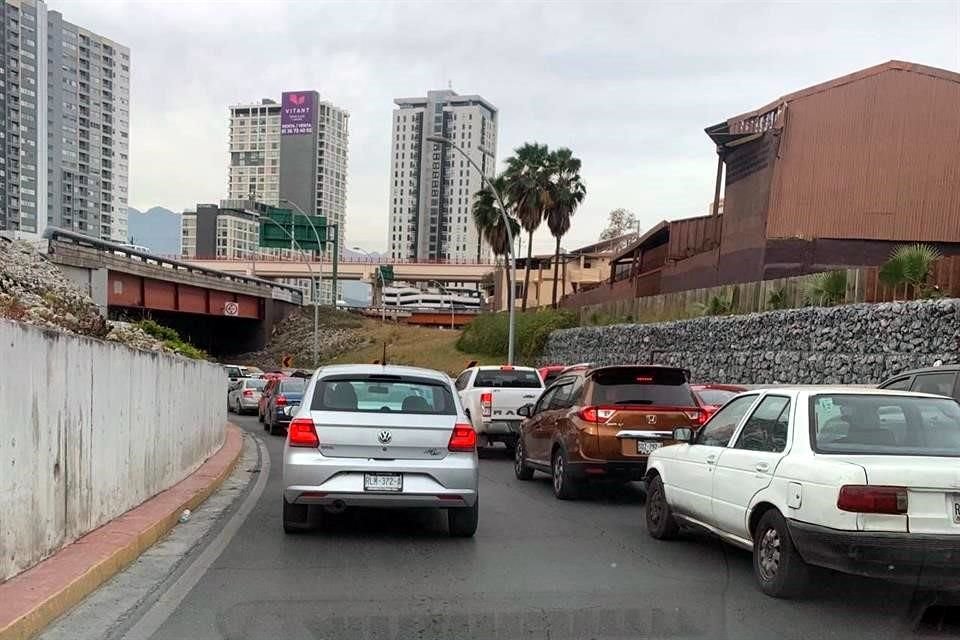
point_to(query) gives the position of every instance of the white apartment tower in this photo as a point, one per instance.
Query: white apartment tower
(64, 125)
(432, 185)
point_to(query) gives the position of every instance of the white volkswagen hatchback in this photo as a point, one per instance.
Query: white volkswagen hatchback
(860, 481)
(380, 436)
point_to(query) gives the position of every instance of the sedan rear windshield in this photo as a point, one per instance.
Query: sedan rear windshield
(641, 386)
(293, 386)
(885, 424)
(507, 378)
(255, 383)
(383, 394)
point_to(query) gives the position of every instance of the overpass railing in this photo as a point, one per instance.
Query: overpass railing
(135, 255)
(349, 260)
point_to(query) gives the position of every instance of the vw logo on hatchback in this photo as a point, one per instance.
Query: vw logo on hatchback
(384, 437)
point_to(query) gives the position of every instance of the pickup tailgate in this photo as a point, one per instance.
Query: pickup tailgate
(499, 392)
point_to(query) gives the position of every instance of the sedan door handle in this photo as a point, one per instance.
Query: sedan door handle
(711, 459)
(762, 467)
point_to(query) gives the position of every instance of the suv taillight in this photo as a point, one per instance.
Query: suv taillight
(486, 405)
(860, 498)
(596, 414)
(696, 416)
(463, 438)
(302, 433)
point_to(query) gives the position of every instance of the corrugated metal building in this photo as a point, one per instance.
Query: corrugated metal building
(836, 174)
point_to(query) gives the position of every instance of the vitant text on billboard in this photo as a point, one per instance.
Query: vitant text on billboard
(296, 113)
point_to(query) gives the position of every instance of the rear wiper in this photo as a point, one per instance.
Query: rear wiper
(633, 402)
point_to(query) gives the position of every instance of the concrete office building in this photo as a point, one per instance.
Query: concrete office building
(64, 122)
(293, 151)
(432, 186)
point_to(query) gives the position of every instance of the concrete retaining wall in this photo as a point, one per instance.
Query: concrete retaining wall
(850, 344)
(90, 429)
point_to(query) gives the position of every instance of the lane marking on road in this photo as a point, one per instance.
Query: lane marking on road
(156, 615)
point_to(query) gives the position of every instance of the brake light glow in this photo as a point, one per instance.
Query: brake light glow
(486, 405)
(596, 414)
(872, 499)
(280, 400)
(302, 433)
(644, 378)
(248, 393)
(696, 416)
(463, 438)
(506, 368)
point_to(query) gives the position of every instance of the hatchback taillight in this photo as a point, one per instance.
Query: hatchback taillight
(872, 499)
(280, 401)
(486, 405)
(463, 438)
(596, 414)
(302, 433)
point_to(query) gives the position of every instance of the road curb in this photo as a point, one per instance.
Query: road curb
(39, 595)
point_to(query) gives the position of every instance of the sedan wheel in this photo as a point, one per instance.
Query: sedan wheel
(660, 521)
(520, 468)
(778, 567)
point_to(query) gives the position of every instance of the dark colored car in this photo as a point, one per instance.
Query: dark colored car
(602, 423)
(713, 396)
(940, 380)
(280, 396)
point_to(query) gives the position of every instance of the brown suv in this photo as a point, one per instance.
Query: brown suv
(602, 423)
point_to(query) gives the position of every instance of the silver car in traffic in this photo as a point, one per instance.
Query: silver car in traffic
(380, 436)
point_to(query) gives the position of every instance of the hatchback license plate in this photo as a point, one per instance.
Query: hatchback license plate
(956, 508)
(390, 482)
(647, 447)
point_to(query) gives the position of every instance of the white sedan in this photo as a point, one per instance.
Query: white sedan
(860, 481)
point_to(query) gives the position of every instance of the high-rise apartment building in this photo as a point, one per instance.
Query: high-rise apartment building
(432, 186)
(64, 122)
(295, 152)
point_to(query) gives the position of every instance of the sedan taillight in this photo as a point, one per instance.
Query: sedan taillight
(248, 393)
(280, 401)
(872, 499)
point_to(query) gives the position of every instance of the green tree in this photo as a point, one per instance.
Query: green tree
(528, 191)
(486, 217)
(620, 222)
(910, 266)
(828, 289)
(567, 191)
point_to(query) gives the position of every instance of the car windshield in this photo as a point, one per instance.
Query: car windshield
(714, 397)
(293, 386)
(641, 386)
(255, 383)
(885, 424)
(508, 378)
(393, 394)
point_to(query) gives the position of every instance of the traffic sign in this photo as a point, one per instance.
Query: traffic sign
(286, 361)
(385, 273)
(231, 309)
(277, 225)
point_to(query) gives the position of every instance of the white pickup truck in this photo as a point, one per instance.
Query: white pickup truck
(492, 394)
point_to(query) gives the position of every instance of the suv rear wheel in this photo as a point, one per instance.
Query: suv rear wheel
(564, 487)
(660, 521)
(778, 567)
(520, 468)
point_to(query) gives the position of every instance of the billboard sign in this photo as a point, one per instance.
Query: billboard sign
(297, 113)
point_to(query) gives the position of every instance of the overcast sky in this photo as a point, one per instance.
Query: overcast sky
(628, 86)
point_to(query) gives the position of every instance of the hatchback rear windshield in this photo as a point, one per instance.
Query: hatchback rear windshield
(255, 383)
(507, 378)
(640, 385)
(715, 397)
(293, 386)
(882, 424)
(383, 394)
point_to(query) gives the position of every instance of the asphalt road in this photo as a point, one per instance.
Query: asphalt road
(537, 568)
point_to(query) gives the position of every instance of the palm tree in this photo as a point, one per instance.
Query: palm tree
(909, 265)
(828, 289)
(486, 217)
(566, 193)
(527, 191)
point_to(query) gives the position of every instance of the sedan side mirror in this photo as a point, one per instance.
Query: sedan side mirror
(683, 434)
(526, 410)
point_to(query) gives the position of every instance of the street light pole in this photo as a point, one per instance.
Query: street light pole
(316, 307)
(383, 303)
(319, 284)
(512, 264)
(447, 292)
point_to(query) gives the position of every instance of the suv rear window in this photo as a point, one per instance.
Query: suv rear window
(383, 394)
(507, 378)
(641, 385)
(885, 424)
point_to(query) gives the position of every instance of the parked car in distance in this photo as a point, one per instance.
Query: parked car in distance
(550, 372)
(244, 395)
(713, 396)
(857, 480)
(491, 396)
(602, 423)
(380, 436)
(939, 380)
(281, 397)
(235, 372)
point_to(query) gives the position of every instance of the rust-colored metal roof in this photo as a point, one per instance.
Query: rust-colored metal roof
(660, 226)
